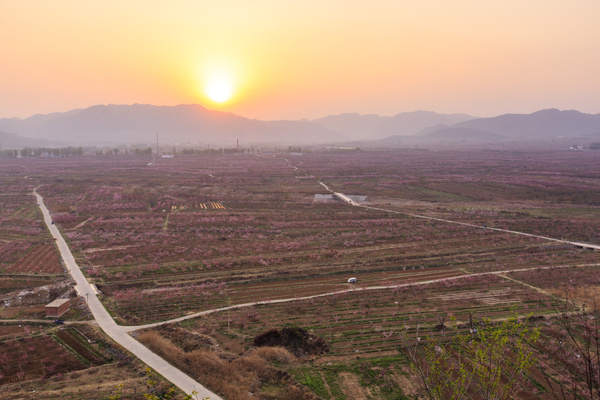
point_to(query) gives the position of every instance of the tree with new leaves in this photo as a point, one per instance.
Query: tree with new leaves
(489, 360)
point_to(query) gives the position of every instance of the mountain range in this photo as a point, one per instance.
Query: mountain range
(544, 124)
(194, 124)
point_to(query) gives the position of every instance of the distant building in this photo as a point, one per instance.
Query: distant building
(341, 148)
(57, 308)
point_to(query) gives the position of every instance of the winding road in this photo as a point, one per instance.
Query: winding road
(109, 326)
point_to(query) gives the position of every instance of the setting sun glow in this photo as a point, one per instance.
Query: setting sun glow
(219, 88)
(275, 60)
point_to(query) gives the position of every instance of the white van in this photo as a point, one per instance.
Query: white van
(352, 280)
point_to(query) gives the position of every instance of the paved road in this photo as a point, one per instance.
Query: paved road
(577, 244)
(107, 323)
(348, 200)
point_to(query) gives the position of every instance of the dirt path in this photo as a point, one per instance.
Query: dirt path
(81, 224)
(542, 291)
(47, 321)
(353, 290)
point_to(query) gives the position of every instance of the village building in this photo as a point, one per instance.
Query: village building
(57, 308)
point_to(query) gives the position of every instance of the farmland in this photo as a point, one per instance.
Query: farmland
(200, 232)
(63, 362)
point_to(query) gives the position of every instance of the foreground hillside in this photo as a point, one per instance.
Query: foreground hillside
(197, 233)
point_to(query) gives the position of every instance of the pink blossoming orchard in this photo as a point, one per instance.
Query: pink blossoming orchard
(201, 232)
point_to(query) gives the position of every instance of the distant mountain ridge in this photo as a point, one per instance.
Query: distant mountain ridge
(377, 127)
(543, 124)
(12, 141)
(194, 124)
(138, 123)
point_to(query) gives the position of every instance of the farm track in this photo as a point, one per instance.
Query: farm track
(356, 290)
(538, 289)
(47, 321)
(107, 323)
(573, 243)
(81, 223)
(322, 268)
(33, 275)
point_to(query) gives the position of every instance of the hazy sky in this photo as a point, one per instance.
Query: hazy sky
(302, 59)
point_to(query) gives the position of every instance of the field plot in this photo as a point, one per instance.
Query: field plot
(25, 245)
(140, 238)
(41, 258)
(366, 322)
(21, 359)
(364, 329)
(31, 274)
(194, 233)
(44, 361)
(35, 354)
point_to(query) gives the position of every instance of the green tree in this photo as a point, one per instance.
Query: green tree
(489, 360)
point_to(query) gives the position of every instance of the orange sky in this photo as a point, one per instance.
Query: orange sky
(302, 59)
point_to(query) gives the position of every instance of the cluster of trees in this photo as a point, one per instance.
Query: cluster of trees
(208, 151)
(43, 151)
(492, 360)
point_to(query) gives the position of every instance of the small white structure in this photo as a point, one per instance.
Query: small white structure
(352, 280)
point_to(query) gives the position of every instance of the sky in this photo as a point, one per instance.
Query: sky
(283, 59)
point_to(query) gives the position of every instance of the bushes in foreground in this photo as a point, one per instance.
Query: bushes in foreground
(234, 377)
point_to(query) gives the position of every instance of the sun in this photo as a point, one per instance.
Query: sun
(219, 88)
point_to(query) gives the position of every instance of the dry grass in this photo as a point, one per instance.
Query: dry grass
(586, 296)
(352, 388)
(234, 377)
(93, 383)
(277, 354)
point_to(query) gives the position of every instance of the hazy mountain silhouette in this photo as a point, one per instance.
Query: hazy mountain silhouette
(105, 124)
(12, 141)
(354, 125)
(376, 127)
(452, 133)
(120, 124)
(544, 124)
